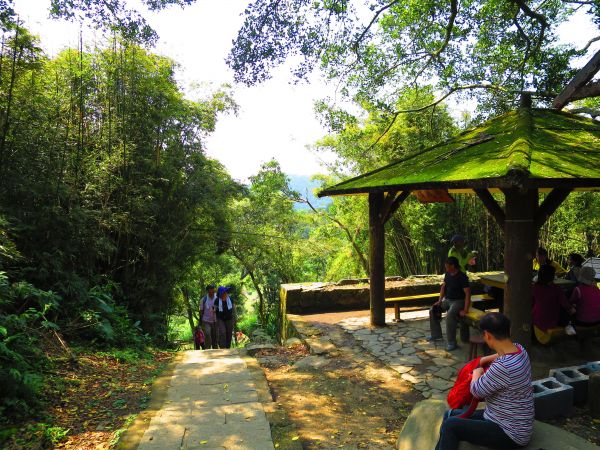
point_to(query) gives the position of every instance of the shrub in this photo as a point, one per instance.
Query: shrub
(23, 331)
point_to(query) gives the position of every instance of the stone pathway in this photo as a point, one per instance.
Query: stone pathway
(212, 403)
(403, 347)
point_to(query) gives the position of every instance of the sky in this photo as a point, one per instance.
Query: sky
(275, 119)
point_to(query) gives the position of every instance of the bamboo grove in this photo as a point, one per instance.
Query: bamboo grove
(106, 195)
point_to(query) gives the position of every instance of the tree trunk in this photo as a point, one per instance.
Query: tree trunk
(377, 259)
(188, 307)
(11, 86)
(261, 299)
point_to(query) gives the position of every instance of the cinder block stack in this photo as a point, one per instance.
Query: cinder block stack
(552, 398)
(578, 378)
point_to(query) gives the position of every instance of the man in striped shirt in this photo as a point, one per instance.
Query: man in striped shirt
(507, 421)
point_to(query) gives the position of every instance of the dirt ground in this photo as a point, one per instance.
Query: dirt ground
(354, 401)
(350, 401)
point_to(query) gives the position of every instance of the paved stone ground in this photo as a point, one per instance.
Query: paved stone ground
(212, 403)
(402, 346)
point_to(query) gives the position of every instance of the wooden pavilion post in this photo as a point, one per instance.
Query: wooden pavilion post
(520, 233)
(377, 258)
(381, 208)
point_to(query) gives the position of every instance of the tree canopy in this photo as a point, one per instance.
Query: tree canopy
(376, 49)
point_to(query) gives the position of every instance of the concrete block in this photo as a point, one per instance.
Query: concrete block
(551, 398)
(594, 366)
(578, 378)
(422, 427)
(594, 394)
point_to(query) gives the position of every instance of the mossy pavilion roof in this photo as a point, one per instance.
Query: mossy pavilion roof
(528, 148)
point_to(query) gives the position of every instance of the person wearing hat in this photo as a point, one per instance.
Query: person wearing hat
(226, 317)
(586, 298)
(458, 251)
(208, 316)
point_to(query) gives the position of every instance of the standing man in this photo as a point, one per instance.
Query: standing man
(458, 251)
(541, 259)
(226, 317)
(455, 297)
(208, 317)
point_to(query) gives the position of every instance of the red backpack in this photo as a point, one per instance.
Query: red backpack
(460, 394)
(198, 336)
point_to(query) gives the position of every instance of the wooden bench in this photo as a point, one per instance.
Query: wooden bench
(478, 302)
(553, 334)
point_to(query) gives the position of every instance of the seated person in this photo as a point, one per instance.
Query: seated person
(455, 297)
(575, 262)
(586, 299)
(541, 259)
(507, 420)
(548, 300)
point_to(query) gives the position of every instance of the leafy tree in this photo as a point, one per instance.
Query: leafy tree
(104, 177)
(378, 49)
(263, 223)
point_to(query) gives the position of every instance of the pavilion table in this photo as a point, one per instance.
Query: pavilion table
(499, 279)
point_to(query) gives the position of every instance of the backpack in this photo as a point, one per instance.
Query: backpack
(198, 336)
(460, 394)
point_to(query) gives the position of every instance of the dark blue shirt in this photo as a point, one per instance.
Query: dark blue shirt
(455, 285)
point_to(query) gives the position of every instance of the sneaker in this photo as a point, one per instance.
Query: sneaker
(433, 339)
(451, 347)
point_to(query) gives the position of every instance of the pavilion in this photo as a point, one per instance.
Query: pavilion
(519, 155)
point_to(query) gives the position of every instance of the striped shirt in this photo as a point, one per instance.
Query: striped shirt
(506, 388)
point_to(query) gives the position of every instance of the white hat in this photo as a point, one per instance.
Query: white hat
(587, 275)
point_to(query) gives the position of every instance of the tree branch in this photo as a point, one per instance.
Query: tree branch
(589, 90)
(449, 27)
(527, 47)
(590, 42)
(434, 103)
(536, 16)
(576, 89)
(373, 20)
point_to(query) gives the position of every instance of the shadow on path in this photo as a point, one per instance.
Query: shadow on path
(211, 403)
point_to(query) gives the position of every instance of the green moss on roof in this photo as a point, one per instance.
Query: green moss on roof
(539, 144)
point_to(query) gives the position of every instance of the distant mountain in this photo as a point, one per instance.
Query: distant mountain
(305, 186)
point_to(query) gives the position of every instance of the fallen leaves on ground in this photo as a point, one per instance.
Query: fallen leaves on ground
(88, 404)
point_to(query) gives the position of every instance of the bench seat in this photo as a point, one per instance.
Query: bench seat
(478, 301)
(552, 334)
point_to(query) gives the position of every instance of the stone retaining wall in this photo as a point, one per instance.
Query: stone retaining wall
(306, 298)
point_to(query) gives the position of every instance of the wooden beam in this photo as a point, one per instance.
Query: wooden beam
(377, 259)
(388, 200)
(589, 90)
(552, 201)
(492, 206)
(580, 79)
(433, 196)
(394, 205)
(519, 244)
